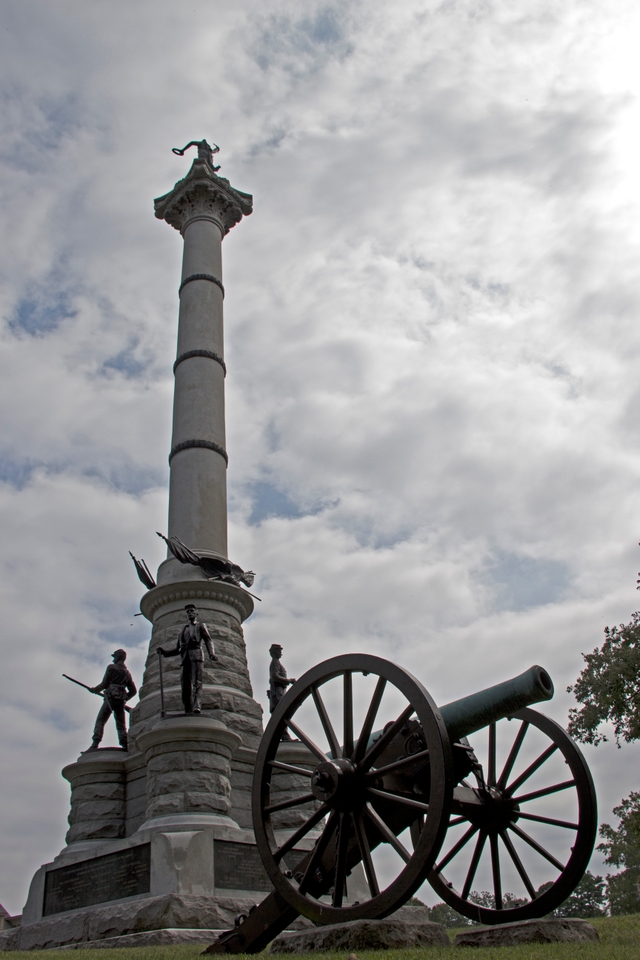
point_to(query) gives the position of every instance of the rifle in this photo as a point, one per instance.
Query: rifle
(86, 687)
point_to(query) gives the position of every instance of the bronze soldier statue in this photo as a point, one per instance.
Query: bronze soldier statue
(189, 648)
(278, 681)
(117, 687)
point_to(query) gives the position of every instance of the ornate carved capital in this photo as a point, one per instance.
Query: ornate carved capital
(202, 195)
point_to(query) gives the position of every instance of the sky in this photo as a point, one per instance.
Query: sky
(431, 338)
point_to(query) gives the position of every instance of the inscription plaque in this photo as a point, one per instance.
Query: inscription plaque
(114, 876)
(237, 866)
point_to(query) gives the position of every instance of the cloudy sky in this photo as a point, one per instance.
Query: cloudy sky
(431, 329)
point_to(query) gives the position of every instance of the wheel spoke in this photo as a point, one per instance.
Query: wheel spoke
(386, 738)
(491, 765)
(457, 820)
(397, 764)
(326, 723)
(365, 853)
(531, 769)
(513, 754)
(536, 846)
(308, 742)
(398, 798)
(549, 820)
(386, 833)
(369, 720)
(348, 713)
(456, 848)
(301, 832)
(340, 877)
(495, 869)
(545, 792)
(284, 804)
(506, 839)
(318, 851)
(290, 768)
(473, 866)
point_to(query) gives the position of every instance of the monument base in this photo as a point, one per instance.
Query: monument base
(162, 919)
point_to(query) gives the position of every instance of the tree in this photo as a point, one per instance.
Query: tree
(447, 916)
(589, 899)
(621, 847)
(609, 687)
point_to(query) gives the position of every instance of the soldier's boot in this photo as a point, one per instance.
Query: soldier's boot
(124, 742)
(94, 746)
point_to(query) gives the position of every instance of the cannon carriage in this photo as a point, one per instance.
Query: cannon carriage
(391, 792)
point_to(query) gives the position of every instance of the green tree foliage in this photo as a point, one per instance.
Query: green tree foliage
(447, 916)
(609, 687)
(621, 847)
(589, 899)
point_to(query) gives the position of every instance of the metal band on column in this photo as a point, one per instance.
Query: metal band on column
(209, 354)
(207, 444)
(201, 276)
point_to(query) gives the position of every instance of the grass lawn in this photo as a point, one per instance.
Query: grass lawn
(619, 940)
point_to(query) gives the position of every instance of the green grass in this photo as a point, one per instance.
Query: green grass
(619, 940)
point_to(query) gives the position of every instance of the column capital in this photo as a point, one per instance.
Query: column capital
(202, 195)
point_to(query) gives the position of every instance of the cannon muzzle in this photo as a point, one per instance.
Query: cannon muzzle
(463, 717)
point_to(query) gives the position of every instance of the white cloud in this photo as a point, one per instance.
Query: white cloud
(431, 339)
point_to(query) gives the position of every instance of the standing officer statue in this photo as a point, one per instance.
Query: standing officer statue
(278, 681)
(189, 647)
(117, 687)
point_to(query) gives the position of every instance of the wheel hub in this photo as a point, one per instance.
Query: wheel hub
(337, 783)
(494, 812)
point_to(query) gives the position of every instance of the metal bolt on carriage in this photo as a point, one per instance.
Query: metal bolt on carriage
(394, 792)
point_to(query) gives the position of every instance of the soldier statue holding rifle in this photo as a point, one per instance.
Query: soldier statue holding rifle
(117, 687)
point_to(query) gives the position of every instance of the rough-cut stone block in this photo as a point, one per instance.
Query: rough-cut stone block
(546, 930)
(102, 926)
(411, 915)
(199, 760)
(163, 806)
(207, 802)
(362, 935)
(10, 939)
(152, 938)
(98, 791)
(181, 780)
(97, 810)
(165, 763)
(95, 830)
(50, 933)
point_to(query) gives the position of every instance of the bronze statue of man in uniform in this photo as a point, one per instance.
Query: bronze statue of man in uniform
(189, 648)
(278, 681)
(117, 687)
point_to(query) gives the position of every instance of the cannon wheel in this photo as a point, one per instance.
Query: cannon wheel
(352, 805)
(507, 812)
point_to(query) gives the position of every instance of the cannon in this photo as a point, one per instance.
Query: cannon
(392, 791)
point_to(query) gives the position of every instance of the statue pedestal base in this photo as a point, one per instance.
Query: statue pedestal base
(187, 865)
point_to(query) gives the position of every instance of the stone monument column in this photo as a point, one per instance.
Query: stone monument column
(160, 836)
(203, 207)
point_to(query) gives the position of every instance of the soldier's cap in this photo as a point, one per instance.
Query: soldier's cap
(120, 654)
(191, 606)
(275, 646)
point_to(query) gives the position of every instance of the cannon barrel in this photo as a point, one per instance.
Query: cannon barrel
(463, 717)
